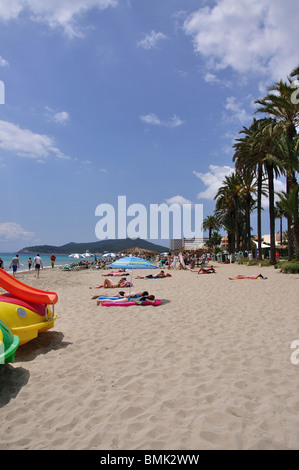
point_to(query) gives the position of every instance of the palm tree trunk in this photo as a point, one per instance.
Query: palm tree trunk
(248, 228)
(296, 227)
(259, 208)
(271, 213)
(290, 222)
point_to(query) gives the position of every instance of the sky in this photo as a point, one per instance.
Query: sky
(135, 98)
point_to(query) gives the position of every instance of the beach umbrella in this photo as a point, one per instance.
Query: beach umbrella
(76, 255)
(109, 255)
(132, 262)
(87, 255)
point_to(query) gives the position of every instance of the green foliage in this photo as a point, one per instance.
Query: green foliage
(290, 268)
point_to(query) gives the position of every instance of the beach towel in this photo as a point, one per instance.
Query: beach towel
(132, 302)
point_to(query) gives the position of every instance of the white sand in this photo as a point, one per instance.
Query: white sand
(210, 368)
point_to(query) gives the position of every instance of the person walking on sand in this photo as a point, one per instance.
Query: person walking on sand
(37, 263)
(29, 264)
(15, 264)
(52, 258)
(1, 264)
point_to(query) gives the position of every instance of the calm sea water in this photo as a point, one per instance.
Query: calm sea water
(61, 260)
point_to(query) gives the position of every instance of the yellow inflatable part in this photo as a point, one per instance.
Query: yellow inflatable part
(25, 323)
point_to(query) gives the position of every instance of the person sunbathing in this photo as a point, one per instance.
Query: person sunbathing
(209, 270)
(244, 276)
(146, 298)
(122, 295)
(121, 273)
(153, 276)
(109, 284)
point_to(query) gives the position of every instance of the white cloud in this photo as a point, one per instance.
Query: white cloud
(57, 117)
(55, 13)
(151, 40)
(252, 37)
(12, 231)
(212, 180)
(25, 143)
(211, 78)
(237, 111)
(3, 62)
(178, 200)
(154, 120)
(62, 117)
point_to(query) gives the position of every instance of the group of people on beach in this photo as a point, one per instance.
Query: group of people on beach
(37, 264)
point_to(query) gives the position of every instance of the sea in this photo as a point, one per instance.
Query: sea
(61, 260)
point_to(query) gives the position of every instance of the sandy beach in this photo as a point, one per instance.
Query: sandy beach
(210, 368)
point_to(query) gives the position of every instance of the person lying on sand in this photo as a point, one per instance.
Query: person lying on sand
(244, 276)
(116, 274)
(152, 276)
(147, 298)
(202, 270)
(109, 284)
(122, 295)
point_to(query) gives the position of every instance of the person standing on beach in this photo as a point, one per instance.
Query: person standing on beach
(29, 264)
(1, 264)
(52, 258)
(15, 264)
(37, 262)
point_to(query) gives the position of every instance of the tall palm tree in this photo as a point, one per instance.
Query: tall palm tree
(287, 153)
(289, 204)
(247, 188)
(253, 153)
(211, 223)
(279, 105)
(279, 214)
(228, 202)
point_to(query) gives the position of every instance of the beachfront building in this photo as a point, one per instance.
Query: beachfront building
(224, 243)
(266, 239)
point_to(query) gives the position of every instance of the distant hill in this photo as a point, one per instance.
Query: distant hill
(103, 246)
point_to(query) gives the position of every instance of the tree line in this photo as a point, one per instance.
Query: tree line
(265, 150)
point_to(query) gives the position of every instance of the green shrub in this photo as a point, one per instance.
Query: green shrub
(290, 268)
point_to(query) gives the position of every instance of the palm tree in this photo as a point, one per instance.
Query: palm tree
(211, 223)
(289, 205)
(287, 153)
(247, 188)
(228, 206)
(279, 105)
(295, 72)
(279, 214)
(253, 153)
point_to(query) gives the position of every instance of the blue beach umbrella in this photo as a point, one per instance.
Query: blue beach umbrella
(76, 255)
(87, 255)
(132, 262)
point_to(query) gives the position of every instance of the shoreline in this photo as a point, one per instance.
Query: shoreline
(210, 368)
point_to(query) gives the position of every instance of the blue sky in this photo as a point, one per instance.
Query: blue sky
(127, 97)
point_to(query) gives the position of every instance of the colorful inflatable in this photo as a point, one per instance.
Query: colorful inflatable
(155, 303)
(9, 343)
(26, 311)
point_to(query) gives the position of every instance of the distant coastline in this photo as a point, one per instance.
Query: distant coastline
(94, 247)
